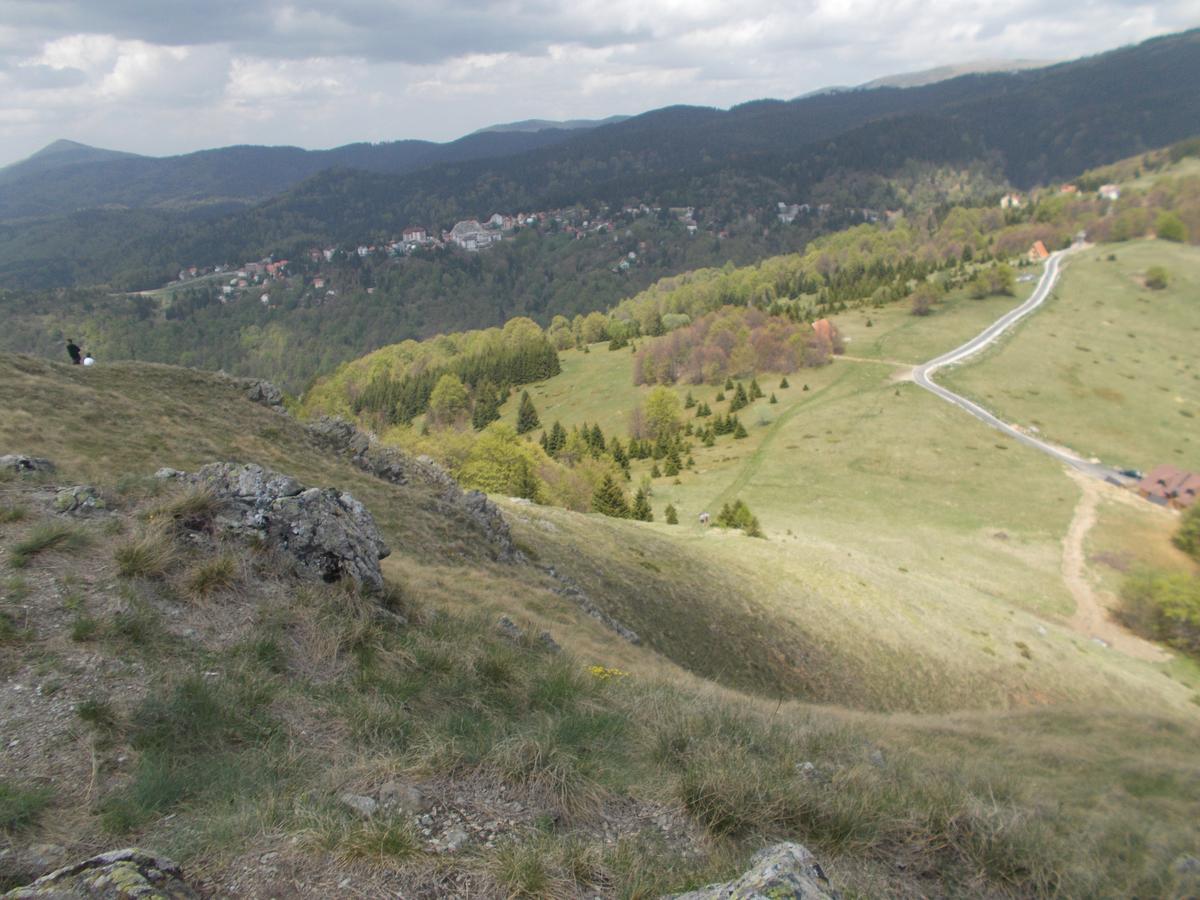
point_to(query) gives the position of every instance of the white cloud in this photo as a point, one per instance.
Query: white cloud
(123, 74)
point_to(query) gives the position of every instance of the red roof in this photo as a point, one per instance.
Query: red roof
(1039, 250)
(1171, 485)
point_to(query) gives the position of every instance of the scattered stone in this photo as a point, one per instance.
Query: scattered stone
(364, 806)
(328, 533)
(509, 628)
(80, 500)
(118, 875)
(547, 640)
(404, 799)
(166, 474)
(877, 759)
(785, 871)
(455, 839)
(26, 465)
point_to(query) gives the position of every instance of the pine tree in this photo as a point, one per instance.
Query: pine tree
(689, 401)
(641, 507)
(672, 465)
(487, 406)
(755, 391)
(691, 463)
(729, 384)
(527, 417)
(609, 499)
(654, 471)
(596, 440)
(806, 387)
(709, 438)
(720, 397)
(772, 400)
(740, 432)
(670, 515)
(556, 439)
(783, 385)
(740, 400)
(618, 454)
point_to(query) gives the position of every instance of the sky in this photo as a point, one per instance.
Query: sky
(170, 76)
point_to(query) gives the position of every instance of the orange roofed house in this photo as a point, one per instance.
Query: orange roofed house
(1169, 486)
(1038, 252)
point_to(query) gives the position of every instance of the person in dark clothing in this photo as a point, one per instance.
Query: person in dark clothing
(73, 352)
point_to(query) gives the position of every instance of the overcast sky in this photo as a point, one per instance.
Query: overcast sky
(169, 76)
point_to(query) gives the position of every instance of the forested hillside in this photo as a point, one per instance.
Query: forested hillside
(1029, 127)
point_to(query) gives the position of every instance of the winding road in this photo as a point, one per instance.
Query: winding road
(923, 376)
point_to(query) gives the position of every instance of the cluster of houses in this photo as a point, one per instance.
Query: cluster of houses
(1013, 200)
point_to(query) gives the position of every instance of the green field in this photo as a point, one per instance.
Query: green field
(903, 535)
(1107, 366)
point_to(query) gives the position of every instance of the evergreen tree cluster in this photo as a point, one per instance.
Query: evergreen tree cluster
(738, 515)
(488, 375)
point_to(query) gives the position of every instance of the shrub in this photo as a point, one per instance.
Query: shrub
(738, 515)
(1169, 227)
(1187, 537)
(1164, 606)
(1157, 278)
(47, 536)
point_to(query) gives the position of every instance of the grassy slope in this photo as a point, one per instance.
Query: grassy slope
(1107, 367)
(830, 615)
(895, 542)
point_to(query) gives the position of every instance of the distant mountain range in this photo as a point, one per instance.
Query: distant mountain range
(551, 124)
(66, 176)
(1028, 127)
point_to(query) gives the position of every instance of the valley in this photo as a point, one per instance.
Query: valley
(756, 477)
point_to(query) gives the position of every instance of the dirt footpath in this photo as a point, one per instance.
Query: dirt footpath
(1091, 617)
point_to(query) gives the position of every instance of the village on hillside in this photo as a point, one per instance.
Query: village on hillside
(578, 223)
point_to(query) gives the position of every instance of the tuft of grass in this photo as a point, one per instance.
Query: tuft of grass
(202, 740)
(97, 713)
(84, 628)
(379, 839)
(12, 513)
(148, 556)
(20, 805)
(45, 537)
(192, 510)
(212, 576)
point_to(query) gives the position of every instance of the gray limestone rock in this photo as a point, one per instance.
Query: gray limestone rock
(80, 500)
(118, 875)
(25, 465)
(364, 806)
(402, 799)
(781, 872)
(328, 533)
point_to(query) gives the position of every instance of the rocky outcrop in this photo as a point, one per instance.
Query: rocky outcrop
(328, 533)
(79, 500)
(264, 393)
(569, 589)
(25, 465)
(782, 872)
(397, 467)
(118, 875)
